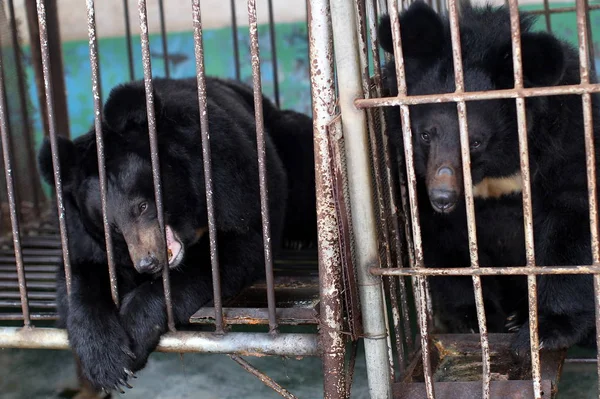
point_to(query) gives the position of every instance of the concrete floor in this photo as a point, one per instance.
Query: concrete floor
(32, 374)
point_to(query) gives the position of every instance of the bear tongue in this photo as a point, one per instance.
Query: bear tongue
(173, 244)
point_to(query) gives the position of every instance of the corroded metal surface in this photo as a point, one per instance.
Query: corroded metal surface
(330, 275)
(207, 163)
(262, 167)
(458, 370)
(152, 135)
(97, 95)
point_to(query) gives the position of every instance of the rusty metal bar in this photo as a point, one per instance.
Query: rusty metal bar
(590, 154)
(382, 213)
(461, 108)
(332, 342)
(62, 222)
(403, 99)
(527, 208)
(362, 204)
(246, 344)
(206, 158)
(163, 36)
(97, 94)
(547, 16)
(12, 198)
(489, 271)
(265, 379)
(152, 135)
(590, 40)
(273, 40)
(128, 39)
(262, 168)
(419, 283)
(27, 133)
(401, 324)
(234, 36)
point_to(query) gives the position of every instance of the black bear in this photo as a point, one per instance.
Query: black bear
(112, 342)
(292, 134)
(556, 155)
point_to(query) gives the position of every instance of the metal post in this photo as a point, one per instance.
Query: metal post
(354, 126)
(331, 338)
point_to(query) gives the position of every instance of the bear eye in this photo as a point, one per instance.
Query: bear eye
(425, 137)
(475, 144)
(143, 207)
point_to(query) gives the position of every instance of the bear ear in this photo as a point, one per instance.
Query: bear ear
(544, 60)
(126, 107)
(421, 29)
(68, 158)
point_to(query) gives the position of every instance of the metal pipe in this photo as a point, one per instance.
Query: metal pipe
(234, 36)
(97, 94)
(461, 108)
(62, 222)
(128, 39)
(515, 28)
(358, 165)
(262, 167)
(27, 133)
(207, 162)
(163, 36)
(322, 81)
(590, 154)
(419, 283)
(12, 198)
(152, 135)
(489, 271)
(265, 379)
(404, 99)
(245, 344)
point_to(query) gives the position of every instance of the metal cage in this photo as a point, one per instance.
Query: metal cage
(369, 244)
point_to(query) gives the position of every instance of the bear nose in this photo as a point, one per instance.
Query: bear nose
(148, 264)
(445, 171)
(443, 200)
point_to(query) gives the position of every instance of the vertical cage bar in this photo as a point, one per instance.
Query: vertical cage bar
(378, 152)
(206, 158)
(547, 16)
(234, 36)
(469, 200)
(527, 210)
(331, 323)
(590, 38)
(262, 168)
(62, 222)
(128, 40)
(584, 37)
(273, 39)
(372, 17)
(419, 282)
(27, 133)
(152, 135)
(12, 198)
(358, 165)
(163, 36)
(97, 94)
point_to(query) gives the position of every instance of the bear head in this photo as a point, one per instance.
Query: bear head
(130, 202)
(487, 65)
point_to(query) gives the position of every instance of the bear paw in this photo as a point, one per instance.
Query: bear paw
(107, 362)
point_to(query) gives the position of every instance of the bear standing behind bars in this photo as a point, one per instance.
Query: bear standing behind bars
(112, 342)
(556, 155)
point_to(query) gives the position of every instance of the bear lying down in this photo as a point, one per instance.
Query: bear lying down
(112, 342)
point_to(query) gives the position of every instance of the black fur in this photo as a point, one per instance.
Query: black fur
(111, 341)
(556, 156)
